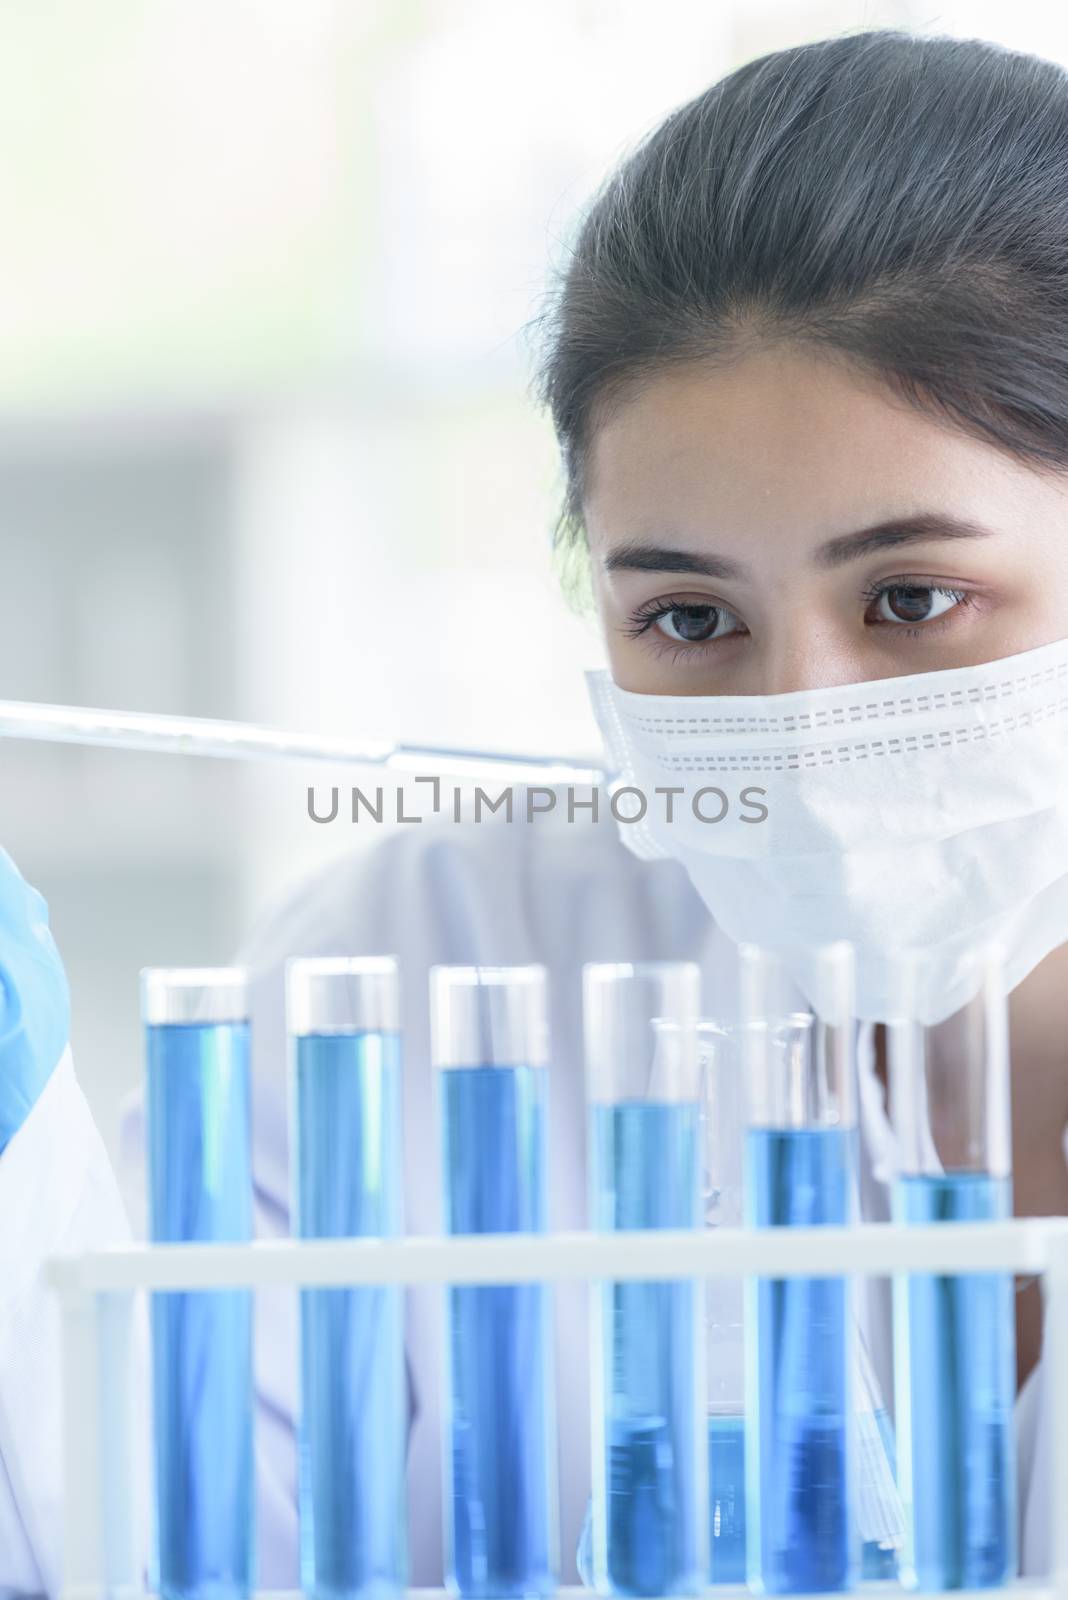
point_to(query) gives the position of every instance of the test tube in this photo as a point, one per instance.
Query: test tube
(723, 1116)
(876, 1496)
(200, 1189)
(954, 1337)
(800, 1171)
(650, 1499)
(345, 1108)
(489, 1043)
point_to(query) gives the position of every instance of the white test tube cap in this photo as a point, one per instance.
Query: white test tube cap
(489, 1016)
(342, 994)
(640, 1023)
(193, 994)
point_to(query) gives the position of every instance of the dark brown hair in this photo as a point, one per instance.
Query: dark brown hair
(898, 200)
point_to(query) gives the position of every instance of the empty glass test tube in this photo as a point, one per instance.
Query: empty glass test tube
(650, 1500)
(800, 1172)
(489, 1042)
(200, 1189)
(343, 1019)
(955, 1336)
(723, 1135)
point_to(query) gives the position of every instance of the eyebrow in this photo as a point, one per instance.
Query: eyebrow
(894, 532)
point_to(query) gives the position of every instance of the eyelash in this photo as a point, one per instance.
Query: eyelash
(874, 591)
(647, 616)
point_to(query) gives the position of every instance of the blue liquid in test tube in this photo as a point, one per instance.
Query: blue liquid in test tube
(650, 1505)
(726, 1498)
(800, 1172)
(802, 1177)
(723, 1070)
(489, 1040)
(879, 1557)
(343, 1020)
(955, 1335)
(200, 1189)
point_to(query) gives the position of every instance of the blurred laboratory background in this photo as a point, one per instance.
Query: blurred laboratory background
(267, 448)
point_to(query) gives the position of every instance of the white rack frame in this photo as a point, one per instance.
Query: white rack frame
(97, 1294)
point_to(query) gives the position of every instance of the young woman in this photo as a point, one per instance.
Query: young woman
(808, 371)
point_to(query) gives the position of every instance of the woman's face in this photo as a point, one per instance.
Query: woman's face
(786, 524)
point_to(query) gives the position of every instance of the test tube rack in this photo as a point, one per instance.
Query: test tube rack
(98, 1291)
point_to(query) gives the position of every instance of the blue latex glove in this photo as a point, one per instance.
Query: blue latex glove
(34, 999)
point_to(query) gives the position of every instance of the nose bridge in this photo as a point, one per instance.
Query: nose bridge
(803, 636)
(800, 654)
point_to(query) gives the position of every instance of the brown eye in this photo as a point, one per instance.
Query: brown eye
(915, 603)
(692, 624)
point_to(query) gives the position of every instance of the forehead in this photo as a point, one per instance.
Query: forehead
(780, 430)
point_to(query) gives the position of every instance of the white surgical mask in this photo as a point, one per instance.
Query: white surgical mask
(926, 812)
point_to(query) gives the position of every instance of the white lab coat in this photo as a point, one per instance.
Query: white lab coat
(492, 892)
